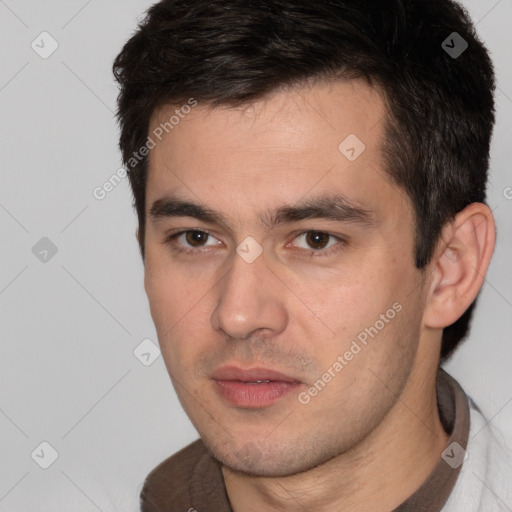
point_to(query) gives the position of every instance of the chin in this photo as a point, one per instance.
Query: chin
(270, 462)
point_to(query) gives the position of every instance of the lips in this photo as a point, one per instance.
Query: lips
(252, 388)
(252, 375)
(255, 388)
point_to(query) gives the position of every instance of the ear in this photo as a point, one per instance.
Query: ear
(459, 265)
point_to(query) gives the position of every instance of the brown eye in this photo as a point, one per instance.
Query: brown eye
(191, 241)
(317, 239)
(319, 243)
(196, 238)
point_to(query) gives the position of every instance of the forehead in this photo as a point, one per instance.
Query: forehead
(336, 106)
(319, 138)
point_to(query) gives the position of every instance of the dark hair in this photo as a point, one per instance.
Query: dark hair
(440, 105)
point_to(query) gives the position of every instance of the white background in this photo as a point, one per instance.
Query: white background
(68, 375)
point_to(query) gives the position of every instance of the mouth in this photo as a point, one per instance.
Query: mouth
(252, 388)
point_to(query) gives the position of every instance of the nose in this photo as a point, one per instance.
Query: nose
(251, 299)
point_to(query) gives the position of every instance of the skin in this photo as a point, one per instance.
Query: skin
(371, 437)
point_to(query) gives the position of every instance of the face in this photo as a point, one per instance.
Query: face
(275, 243)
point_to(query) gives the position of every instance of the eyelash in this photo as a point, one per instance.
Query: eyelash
(170, 240)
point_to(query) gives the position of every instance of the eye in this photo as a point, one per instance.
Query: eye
(320, 241)
(190, 240)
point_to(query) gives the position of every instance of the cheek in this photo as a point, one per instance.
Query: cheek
(172, 291)
(348, 301)
(370, 316)
(370, 365)
(163, 299)
(181, 310)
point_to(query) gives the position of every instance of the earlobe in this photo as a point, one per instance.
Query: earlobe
(459, 265)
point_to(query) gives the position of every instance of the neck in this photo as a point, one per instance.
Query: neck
(380, 473)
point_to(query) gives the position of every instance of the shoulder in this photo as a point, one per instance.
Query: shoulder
(497, 474)
(484, 482)
(168, 484)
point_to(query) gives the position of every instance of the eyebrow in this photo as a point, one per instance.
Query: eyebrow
(332, 207)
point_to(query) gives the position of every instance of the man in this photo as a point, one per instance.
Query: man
(310, 179)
